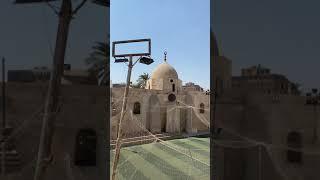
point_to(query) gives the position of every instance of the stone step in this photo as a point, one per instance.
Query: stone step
(139, 140)
(140, 137)
(12, 161)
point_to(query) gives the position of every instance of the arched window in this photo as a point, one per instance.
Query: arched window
(136, 108)
(294, 140)
(85, 149)
(201, 108)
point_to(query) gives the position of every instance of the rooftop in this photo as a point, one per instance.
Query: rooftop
(162, 161)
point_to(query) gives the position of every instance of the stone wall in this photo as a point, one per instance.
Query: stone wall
(262, 118)
(82, 107)
(157, 112)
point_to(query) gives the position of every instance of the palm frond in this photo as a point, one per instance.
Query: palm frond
(97, 60)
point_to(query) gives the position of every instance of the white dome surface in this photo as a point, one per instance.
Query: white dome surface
(163, 71)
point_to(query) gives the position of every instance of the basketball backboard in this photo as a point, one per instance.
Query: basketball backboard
(118, 51)
(31, 1)
(99, 2)
(102, 2)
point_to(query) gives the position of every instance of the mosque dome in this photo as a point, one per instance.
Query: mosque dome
(164, 70)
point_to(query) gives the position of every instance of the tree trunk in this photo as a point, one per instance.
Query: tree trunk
(54, 90)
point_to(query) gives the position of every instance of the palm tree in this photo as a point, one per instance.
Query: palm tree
(98, 62)
(142, 80)
(296, 88)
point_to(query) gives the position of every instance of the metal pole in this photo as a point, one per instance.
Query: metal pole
(213, 129)
(3, 157)
(108, 111)
(260, 163)
(213, 113)
(54, 89)
(119, 130)
(315, 133)
(316, 126)
(3, 95)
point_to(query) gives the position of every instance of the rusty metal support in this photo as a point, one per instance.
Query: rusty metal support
(119, 129)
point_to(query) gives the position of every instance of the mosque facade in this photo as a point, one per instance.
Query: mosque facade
(163, 106)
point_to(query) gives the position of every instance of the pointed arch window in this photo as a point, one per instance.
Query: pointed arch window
(136, 108)
(85, 150)
(294, 140)
(201, 108)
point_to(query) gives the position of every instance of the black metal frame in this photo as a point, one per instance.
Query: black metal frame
(132, 54)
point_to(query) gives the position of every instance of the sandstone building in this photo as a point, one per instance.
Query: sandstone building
(265, 128)
(163, 106)
(79, 143)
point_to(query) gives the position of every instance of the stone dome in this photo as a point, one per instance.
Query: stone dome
(163, 71)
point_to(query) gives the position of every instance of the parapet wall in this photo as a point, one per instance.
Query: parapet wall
(82, 106)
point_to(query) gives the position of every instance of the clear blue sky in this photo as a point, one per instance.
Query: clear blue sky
(180, 27)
